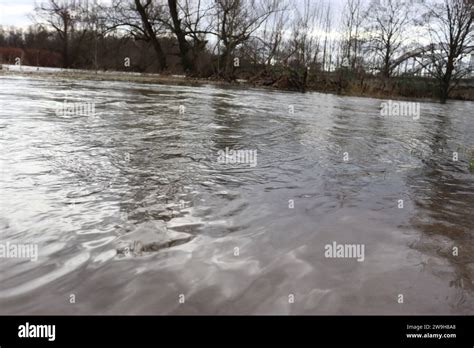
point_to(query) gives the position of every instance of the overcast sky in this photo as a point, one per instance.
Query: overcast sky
(15, 12)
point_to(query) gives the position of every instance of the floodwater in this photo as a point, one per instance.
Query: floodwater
(145, 159)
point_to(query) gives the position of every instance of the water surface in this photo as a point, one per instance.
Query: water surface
(75, 185)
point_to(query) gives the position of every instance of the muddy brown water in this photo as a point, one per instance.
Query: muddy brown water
(328, 169)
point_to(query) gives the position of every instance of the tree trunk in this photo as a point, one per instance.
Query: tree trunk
(386, 64)
(151, 35)
(65, 52)
(184, 48)
(305, 80)
(445, 82)
(226, 64)
(443, 93)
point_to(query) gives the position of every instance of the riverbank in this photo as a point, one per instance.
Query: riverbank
(347, 83)
(105, 75)
(331, 83)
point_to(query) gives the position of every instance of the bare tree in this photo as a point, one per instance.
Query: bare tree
(270, 41)
(387, 24)
(450, 28)
(178, 30)
(142, 20)
(326, 55)
(352, 20)
(188, 21)
(237, 21)
(64, 16)
(303, 44)
(148, 13)
(95, 20)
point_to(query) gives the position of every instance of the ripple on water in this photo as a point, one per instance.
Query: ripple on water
(77, 185)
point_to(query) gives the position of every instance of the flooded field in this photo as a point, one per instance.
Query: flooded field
(151, 199)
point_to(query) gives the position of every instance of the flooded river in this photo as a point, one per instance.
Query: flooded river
(236, 235)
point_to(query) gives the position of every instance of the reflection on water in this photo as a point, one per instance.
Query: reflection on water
(332, 170)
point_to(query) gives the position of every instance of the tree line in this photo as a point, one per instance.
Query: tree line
(265, 39)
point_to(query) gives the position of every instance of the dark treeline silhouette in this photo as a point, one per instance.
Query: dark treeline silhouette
(373, 47)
